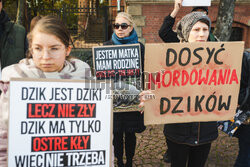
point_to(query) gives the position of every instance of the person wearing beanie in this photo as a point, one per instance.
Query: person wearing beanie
(189, 143)
(186, 24)
(167, 34)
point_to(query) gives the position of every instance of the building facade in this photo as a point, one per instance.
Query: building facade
(149, 15)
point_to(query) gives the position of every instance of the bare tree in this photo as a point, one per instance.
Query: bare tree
(223, 28)
(20, 12)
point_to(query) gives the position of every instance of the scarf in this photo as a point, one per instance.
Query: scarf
(73, 69)
(133, 38)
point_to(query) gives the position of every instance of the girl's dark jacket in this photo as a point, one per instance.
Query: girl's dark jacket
(129, 121)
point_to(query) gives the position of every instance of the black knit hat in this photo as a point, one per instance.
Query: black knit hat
(204, 8)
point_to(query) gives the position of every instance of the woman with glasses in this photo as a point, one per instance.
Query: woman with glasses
(127, 123)
(48, 57)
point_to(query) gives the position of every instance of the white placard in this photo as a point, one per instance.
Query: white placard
(59, 123)
(196, 3)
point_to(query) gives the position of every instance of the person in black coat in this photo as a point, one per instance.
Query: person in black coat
(189, 143)
(243, 132)
(166, 32)
(127, 123)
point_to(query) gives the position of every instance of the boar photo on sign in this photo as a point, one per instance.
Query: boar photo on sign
(121, 63)
(192, 82)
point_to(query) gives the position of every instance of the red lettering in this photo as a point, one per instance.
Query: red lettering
(82, 111)
(122, 72)
(61, 110)
(36, 144)
(71, 110)
(64, 143)
(176, 76)
(85, 140)
(222, 78)
(228, 74)
(234, 77)
(91, 109)
(44, 146)
(38, 110)
(195, 76)
(30, 111)
(73, 145)
(57, 143)
(151, 79)
(203, 79)
(184, 77)
(213, 78)
(101, 74)
(163, 79)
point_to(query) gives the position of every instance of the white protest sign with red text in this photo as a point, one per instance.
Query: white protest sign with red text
(192, 82)
(59, 123)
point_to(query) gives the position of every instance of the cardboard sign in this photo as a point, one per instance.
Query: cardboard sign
(59, 123)
(122, 63)
(192, 82)
(196, 3)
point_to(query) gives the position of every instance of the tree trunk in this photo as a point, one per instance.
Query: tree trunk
(20, 12)
(224, 21)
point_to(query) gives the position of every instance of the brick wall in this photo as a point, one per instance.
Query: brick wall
(155, 13)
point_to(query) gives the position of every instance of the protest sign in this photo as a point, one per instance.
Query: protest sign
(192, 82)
(122, 63)
(117, 61)
(196, 3)
(59, 123)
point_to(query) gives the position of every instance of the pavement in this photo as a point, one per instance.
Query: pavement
(151, 147)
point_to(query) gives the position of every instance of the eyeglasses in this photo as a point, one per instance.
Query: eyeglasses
(124, 26)
(53, 52)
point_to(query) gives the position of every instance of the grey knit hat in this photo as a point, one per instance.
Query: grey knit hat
(185, 25)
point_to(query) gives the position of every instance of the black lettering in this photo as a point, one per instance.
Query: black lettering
(216, 54)
(32, 91)
(197, 55)
(214, 98)
(97, 126)
(188, 103)
(180, 56)
(78, 94)
(168, 64)
(24, 127)
(176, 106)
(198, 103)
(223, 104)
(90, 126)
(24, 94)
(162, 105)
(210, 54)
